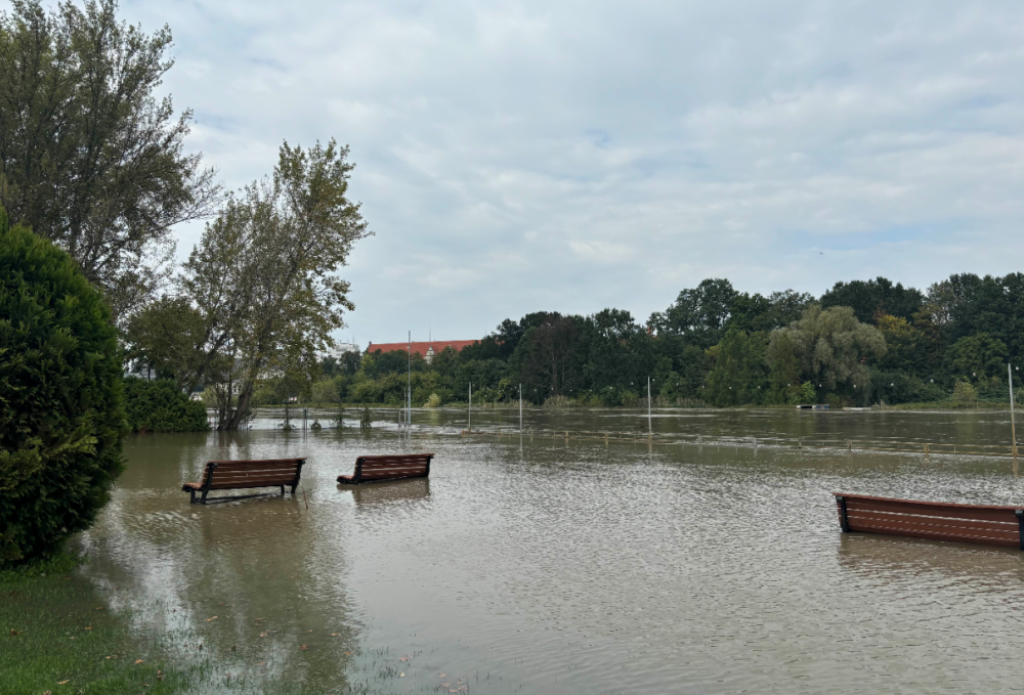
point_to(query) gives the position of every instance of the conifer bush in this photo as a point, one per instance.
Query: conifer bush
(61, 416)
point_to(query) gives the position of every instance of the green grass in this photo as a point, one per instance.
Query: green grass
(54, 632)
(59, 636)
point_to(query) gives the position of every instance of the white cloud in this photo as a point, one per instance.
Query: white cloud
(524, 155)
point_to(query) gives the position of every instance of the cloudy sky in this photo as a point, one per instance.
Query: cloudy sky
(572, 156)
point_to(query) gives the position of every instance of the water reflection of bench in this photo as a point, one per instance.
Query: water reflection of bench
(963, 523)
(390, 467)
(394, 491)
(241, 475)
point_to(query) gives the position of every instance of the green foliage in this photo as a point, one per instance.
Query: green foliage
(740, 372)
(977, 357)
(873, 298)
(964, 394)
(159, 406)
(264, 282)
(61, 411)
(434, 401)
(92, 158)
(831, 347)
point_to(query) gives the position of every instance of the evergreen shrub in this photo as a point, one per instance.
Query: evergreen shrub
(159, 406)
(61, 411)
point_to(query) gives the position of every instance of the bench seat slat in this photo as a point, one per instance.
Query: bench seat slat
(932, 509)
(900, 523)
(938, 536)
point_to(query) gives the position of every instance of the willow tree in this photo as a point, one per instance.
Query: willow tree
(828, 347)
(263, 278)
(90, 156)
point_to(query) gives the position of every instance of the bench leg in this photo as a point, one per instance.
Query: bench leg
(203, 501)
(293, 488)
(282, 491)
(193, 499)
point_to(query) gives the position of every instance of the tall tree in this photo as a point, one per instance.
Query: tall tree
(872, 298)
(699, 314)
(263, 277)
(90, 157)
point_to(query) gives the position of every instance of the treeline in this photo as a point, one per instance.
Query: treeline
(860, 343)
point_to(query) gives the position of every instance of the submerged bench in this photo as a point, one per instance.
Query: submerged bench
(376, 468)
(963, 523)
(240, 475)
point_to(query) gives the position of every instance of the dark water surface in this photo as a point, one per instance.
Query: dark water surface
(571, 567)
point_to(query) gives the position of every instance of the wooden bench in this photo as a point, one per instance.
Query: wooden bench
(396, 467)
(963, 523)
(240, 475)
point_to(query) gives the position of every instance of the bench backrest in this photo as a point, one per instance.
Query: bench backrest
(394, 466)
(963, 523)
(225, 475)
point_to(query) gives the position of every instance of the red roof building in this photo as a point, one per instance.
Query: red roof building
(426, 349)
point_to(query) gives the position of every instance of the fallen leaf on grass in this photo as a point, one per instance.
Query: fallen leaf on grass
(14, 633)
(211, 619)
(265, 633)
(109, 657)
(139, 661)
(404, 658)
(348, 653)
(401, 675)
(100, 608)
(334, 634)
(304, 646)
(308, 631)
(88, 628)
(441, 675)
(63, 682)
(260, 663)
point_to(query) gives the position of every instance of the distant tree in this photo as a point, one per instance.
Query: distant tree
(508, 334)
(61, 404)
(699, 314)
(89, 157)
(831, 346)
(740, 368)
(977, 357)
(549, 361)
(872, 298)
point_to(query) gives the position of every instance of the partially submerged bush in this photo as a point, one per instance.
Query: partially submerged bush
(158, 406)
(61, 413)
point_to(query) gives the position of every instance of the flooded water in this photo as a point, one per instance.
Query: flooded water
(570, 567)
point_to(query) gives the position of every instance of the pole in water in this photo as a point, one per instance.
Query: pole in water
(409, 393)
(471, 407)
(520, 408)
(1013, 424)
(650, 428)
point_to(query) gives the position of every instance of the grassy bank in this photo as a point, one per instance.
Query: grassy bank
(59, 637)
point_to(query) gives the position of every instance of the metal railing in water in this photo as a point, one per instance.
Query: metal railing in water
(900, 446)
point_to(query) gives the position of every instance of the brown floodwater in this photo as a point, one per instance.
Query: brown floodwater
(570, 567)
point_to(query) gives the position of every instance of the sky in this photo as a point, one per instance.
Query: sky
(571, 156)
